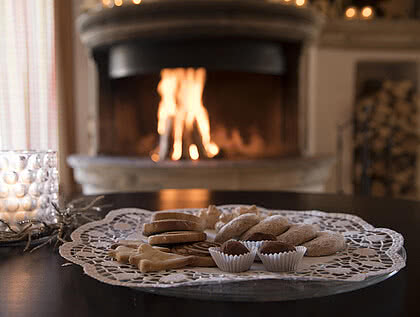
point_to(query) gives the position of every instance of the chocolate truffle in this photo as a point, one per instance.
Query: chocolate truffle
(260, 236)
(272, 247)
(234, 248)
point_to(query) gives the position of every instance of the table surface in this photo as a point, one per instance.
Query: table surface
(36, 284)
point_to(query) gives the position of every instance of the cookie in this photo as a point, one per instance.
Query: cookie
(160, 226)
(173, 237)
(122, 253)
(165, 215)
(325, 243)
(274, 225)
(225, 217)
(219, 225)
(151, 260)
(236, 227)
(210, 216)
(200, 252)
(134, 244)
(298, 234)
(259, 236)
(246, 210)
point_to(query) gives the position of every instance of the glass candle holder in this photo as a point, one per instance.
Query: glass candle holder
(29, 183)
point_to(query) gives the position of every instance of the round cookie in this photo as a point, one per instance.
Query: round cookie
(236, 227)
(274, 225)
(325, 243)
(298, 234)
(173, 237)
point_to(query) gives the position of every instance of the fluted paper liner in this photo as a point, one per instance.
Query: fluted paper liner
(254, 245)
(284, 261)
(233, 263)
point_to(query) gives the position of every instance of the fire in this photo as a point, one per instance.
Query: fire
(194, 152)
(181, 113)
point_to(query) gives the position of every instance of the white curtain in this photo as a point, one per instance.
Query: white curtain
(28, 107)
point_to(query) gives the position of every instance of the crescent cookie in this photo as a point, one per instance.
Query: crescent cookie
(324, 244)
(298, 234)
(274, 225)
(236, 227)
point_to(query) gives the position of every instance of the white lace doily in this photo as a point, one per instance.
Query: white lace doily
(370, 252)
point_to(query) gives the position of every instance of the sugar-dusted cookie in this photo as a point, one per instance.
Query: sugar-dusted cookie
(225, 217)
(274, 225)
(149, 260)
(325, 243)
(159, 226)
(173, 237)
(246, 210)
(200, 251)
(164, 215)
(236, 227)
(298, 234)
(210, 216)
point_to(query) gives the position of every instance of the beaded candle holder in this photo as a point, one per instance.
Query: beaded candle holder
(29, 182)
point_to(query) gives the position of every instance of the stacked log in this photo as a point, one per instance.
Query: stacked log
(386, 139)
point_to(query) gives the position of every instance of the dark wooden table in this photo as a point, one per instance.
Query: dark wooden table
(36, 284)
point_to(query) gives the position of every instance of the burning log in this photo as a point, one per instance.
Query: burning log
(166, 140)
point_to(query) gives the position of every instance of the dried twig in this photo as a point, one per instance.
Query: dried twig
(68, 219)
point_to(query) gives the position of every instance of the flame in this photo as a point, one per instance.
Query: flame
(194, 152)
(181, 106)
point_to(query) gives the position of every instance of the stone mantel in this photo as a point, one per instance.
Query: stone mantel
(102, 174)
(160, 19)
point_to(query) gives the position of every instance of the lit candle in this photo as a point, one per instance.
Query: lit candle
(107, 3)
(301, 3)
(367, 13)
(29, 182)
(351, 13)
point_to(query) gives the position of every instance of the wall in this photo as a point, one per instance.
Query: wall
(85, 83)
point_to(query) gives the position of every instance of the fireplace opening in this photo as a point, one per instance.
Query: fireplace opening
(250, 116)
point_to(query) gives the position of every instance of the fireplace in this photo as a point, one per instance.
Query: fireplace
(200, 94)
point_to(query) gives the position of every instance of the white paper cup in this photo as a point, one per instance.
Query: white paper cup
(283, 262)
(253, 245)
(233, 263)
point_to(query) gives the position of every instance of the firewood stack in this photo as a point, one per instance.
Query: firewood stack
(386, 139)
